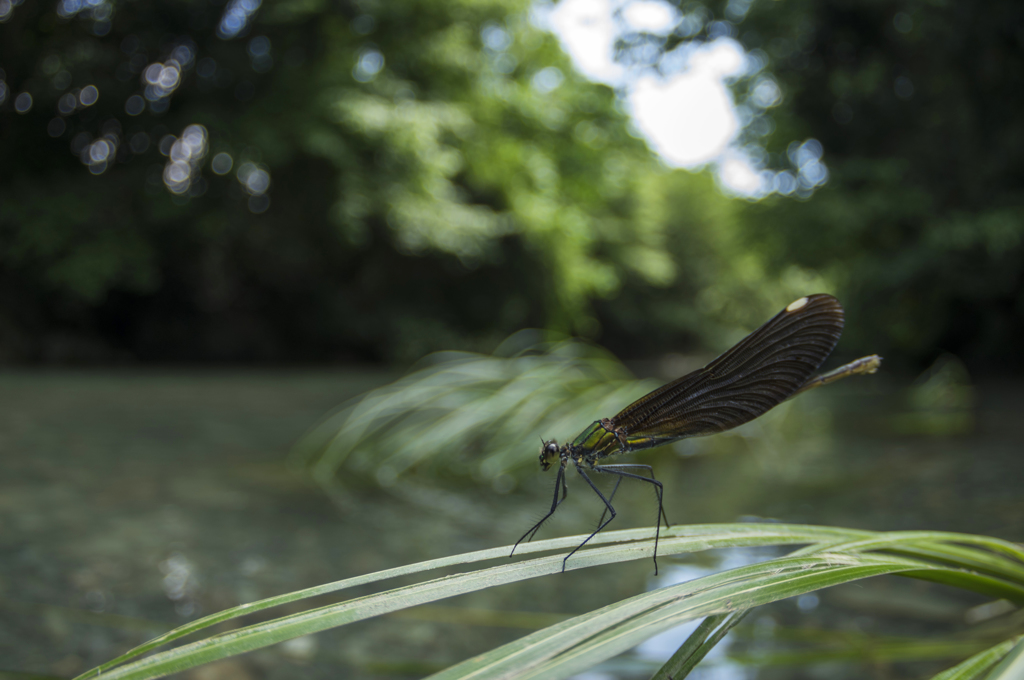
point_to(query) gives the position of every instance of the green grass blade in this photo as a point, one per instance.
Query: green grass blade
(965, 557)
(896, 539)
(626, 545)
(251, 608)
(583, 641)
(979, 583)
(698, 644)
(674, 667)
(693, 538)
(972, 668)
(1012, 665)
(755, 593)
(881, 652)
(576, 644)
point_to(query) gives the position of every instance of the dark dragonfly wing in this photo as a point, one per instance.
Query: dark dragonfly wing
(762, 370)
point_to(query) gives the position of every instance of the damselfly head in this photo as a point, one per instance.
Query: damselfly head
(548, 454)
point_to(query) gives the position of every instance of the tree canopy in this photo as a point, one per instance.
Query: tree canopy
(361, 180)
(312, 181)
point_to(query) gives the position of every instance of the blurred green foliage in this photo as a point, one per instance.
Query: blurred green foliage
(917, 106)
(465, 414)
(440, 177)
(919, 109)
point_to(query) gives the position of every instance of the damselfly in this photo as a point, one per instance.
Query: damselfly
(769, 366)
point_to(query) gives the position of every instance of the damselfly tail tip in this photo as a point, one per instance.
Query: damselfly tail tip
(873, 363)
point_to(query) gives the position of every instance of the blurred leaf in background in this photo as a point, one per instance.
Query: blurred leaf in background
(469, 415)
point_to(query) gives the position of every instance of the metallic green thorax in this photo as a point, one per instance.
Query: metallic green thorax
(597, 441)
(600, 440)
(603, 439)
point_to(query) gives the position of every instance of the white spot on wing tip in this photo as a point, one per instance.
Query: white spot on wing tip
(796, 304)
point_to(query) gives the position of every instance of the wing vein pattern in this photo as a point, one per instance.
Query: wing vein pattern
(761, 371)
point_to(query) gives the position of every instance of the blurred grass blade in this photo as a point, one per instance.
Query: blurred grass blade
(470, 414)
(848, 647)
(1012, 665)
(974, 667)
(708, 634)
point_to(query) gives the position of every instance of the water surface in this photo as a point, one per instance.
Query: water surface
(131, 503)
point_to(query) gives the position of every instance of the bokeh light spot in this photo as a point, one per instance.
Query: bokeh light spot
(495, 37)
(169, 76)
(135, 105)
(162, 79)
(67, 104)
(259, 46)
(23, 103)
(765, 93)
(185, 156)
(89, 95)
(369, 64)
(253, 178)
(166, 142)
(547, 80)
(259, 52)
(259, 204)
(236, 18)
(221, 163)
(68, 8)
(97, 154)
(99, 151)
(785, 183)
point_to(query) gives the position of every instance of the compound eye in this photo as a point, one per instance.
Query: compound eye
(548, 453)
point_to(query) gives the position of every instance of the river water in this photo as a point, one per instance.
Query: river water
(131, 503)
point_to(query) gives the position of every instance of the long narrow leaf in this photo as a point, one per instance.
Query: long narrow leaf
(679, 660)
(702, 537)
(1012, 665)
(578, 643)
(698, 645)
(694, 538)
(972, 668)
(627, 636)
